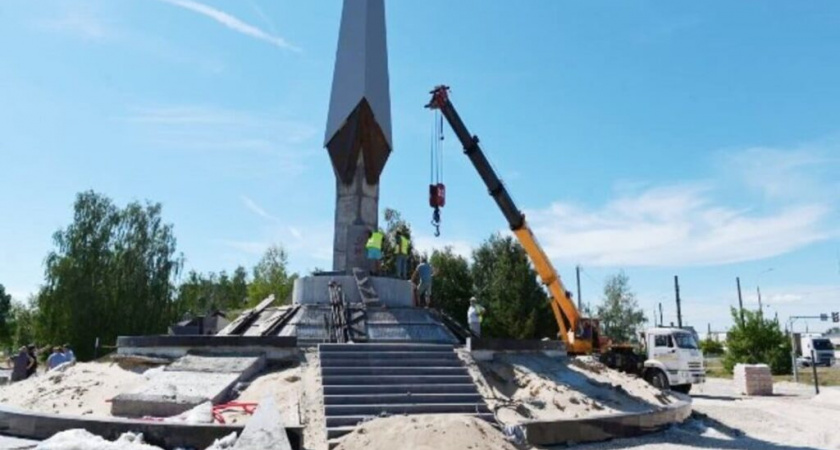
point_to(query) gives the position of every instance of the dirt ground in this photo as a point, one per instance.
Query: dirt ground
(521, 387)
(81, 389)
(284, 384)
(425, 432)
(793, 418)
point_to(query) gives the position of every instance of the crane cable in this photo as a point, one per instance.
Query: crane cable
(436, 169)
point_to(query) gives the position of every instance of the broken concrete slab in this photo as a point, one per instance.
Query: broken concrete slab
(185, 384)
(265, 430)
(194, 362)
(171, 393)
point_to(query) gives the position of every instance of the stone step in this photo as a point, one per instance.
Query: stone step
(342, 371)
(397, 347)
(394, 379)
(362, 354)
(424, 408)
(465, 388)
(391, 362)
(401, 398)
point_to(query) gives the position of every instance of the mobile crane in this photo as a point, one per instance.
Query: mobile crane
(580, 334)
(670, 357)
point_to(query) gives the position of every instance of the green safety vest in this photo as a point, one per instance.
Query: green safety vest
(404, 242)
(375, 240)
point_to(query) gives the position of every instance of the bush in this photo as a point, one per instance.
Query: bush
(711, 347)
(756, 340)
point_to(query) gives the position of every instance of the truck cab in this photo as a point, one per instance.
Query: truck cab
(822, 349)
(673, 359)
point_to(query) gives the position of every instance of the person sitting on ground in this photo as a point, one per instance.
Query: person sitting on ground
(475, 315)
(55, 359)
(32, 369)
(68, 353)
(423, 274)
(20, 364)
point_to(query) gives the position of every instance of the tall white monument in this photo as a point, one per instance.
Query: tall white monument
(358, 134)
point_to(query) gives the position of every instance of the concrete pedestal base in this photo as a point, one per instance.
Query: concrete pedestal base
(314, 290)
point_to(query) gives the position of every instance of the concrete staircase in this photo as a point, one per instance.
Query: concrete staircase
(362, 381)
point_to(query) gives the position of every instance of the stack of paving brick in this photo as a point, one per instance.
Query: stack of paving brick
(753, 379)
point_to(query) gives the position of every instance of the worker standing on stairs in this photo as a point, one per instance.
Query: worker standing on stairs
(403, 243)
(423, 276)
(475, 315)
(373, 247)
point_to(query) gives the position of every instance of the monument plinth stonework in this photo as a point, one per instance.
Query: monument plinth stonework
(358, 133)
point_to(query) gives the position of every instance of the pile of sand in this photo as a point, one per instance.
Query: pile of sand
(425, 432)
(520, 387)
(81, 389)
(284, 385)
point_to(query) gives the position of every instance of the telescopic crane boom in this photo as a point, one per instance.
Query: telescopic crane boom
(580, 334)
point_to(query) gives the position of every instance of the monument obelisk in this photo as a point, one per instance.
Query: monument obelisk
(358, 134)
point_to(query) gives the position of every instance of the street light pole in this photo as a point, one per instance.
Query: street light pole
(758, 289)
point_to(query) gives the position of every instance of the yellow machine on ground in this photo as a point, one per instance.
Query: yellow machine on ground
(579, 333)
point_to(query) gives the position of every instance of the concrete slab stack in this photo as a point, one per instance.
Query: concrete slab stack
(185, 384)
(753, 379)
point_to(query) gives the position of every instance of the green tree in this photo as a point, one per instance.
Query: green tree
(271, 276)
(757, 340)
(619, 311)
(506, 285)
(111, 273)
(200, 293)
(394, 223)
(5, 316)
(453, 285)
(710, 346)
(22, 324)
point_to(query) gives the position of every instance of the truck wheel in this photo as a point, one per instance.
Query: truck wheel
(682, 388)
(658, 379)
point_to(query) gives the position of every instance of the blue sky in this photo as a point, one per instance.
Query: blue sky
(661, 138)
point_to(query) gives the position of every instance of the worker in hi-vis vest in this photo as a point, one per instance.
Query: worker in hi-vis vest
(373, 248)
(403, 244)
(475, 315)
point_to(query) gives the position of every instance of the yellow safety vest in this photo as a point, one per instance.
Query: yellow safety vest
(404, 242)
(375, 240)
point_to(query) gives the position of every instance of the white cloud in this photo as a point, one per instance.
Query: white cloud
(673, 225)
(287, 142)
(315, 244)
(80, 23)
(233, 23)
(258, 210)
(808, 171)
(428, 244)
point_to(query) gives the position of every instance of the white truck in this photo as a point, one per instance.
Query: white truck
(821, 347)
(669, 358)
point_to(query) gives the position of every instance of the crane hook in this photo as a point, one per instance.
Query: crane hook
(436, 220)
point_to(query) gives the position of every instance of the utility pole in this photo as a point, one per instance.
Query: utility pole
(740, 299)
(577, 276)
(660, 315)
(677, 291)
(760, 308)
